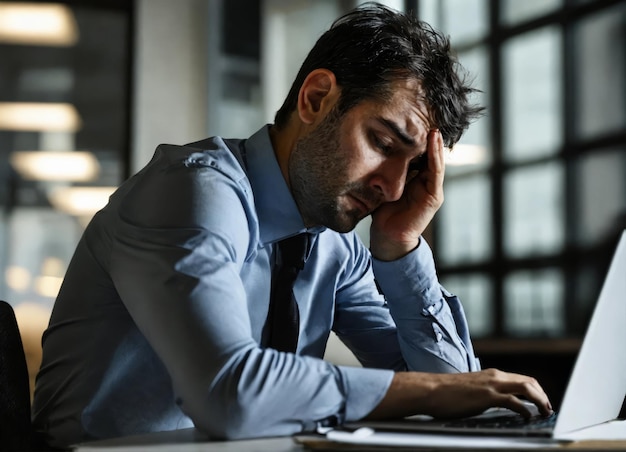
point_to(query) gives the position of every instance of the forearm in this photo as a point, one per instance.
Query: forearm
(408, 394)
(432, 329)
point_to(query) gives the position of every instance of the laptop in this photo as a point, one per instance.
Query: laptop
(595, 391)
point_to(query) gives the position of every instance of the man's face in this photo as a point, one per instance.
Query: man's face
(351, 164)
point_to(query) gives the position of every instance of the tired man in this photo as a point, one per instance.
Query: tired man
(177, 310)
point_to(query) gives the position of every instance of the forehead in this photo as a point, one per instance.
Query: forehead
(404, 104)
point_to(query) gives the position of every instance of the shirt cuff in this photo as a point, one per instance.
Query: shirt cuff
(412, 274)
(365, 388)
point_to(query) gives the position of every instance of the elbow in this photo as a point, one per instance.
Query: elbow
(230, 419)
(225, 424)
(222, 415)
(237, 407)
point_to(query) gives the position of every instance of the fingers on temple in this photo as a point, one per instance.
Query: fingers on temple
(436, 155)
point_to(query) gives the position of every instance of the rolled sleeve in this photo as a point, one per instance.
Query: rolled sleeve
(432, 327)
(365, 388)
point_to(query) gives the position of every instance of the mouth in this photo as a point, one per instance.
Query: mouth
(361, 205)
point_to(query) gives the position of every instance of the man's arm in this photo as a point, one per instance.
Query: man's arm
(432, 328)
(416, 326)
(177, 265)
(457, 395)
(395, 233)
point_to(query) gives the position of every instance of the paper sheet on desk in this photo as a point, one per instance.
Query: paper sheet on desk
(609, 431)
(370, 437)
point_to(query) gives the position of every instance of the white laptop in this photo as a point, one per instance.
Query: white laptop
(596, 388)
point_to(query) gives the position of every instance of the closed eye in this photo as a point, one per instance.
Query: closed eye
(385, 146)
(419, 164)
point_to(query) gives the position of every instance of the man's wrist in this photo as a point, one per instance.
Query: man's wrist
(387, 251)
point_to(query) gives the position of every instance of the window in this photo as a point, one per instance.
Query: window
(68, 148)
(525, 235)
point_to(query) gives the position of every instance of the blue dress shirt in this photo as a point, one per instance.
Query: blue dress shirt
(158, 323)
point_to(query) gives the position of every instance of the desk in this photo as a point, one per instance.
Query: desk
(189, 440)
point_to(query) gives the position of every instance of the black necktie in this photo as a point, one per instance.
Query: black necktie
(283, 319)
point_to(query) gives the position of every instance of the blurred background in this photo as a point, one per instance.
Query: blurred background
(535, 190)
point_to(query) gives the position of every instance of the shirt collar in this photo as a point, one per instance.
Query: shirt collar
(278, 214)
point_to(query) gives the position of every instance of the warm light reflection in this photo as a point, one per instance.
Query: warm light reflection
(39, 117)
(52, 266)
(70, 166)
(17, 278)
(37, 24)
(80, 201)
(48, 286)
(466, 154)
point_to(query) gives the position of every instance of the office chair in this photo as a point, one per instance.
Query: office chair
(15, 421)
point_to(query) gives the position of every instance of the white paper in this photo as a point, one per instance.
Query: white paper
(609, 431)
(370, 437)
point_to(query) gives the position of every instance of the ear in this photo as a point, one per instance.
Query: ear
(318, 94)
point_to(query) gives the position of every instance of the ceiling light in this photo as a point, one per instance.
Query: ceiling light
(39, 117)
(80, 201)
(37, 24)
(69, 166)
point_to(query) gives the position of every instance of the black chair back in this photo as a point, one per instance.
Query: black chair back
(15, 424)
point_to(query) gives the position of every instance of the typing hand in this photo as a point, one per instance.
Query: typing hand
(460, 395)
(467, 394)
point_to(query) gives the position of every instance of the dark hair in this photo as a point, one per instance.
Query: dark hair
(372, 46)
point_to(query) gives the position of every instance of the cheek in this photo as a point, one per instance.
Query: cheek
(360, 159)
(365, 163)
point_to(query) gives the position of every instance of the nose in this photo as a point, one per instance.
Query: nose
(390, 180)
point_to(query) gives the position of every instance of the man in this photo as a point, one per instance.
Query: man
(162, 321)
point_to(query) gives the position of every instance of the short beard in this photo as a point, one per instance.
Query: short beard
(318, 175)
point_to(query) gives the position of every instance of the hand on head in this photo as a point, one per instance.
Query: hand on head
(397, 226)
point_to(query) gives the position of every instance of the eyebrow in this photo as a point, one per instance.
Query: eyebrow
(401, 134)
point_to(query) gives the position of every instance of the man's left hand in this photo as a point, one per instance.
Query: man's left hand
(397, 226)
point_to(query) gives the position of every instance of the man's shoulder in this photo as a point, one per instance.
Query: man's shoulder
(217, 153)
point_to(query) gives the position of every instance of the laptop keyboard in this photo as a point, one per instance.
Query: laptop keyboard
(506, 422)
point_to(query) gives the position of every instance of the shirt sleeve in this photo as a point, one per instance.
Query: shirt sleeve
(432, 328)
(176, 264)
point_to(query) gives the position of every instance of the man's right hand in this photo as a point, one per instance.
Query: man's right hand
(460, 395)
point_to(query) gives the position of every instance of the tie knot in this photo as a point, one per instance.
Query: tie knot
(293, 251)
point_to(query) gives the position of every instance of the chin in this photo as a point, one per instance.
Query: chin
(345, 222)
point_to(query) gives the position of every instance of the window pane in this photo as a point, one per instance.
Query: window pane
(533, 208)
(464, 220)
(476, 294)
(532, 95)
(464, 20)
(601, 72)
(474, 149)
(601, 211)
(533, 303)
(516, 11)
(587, 283)
(429, 12)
